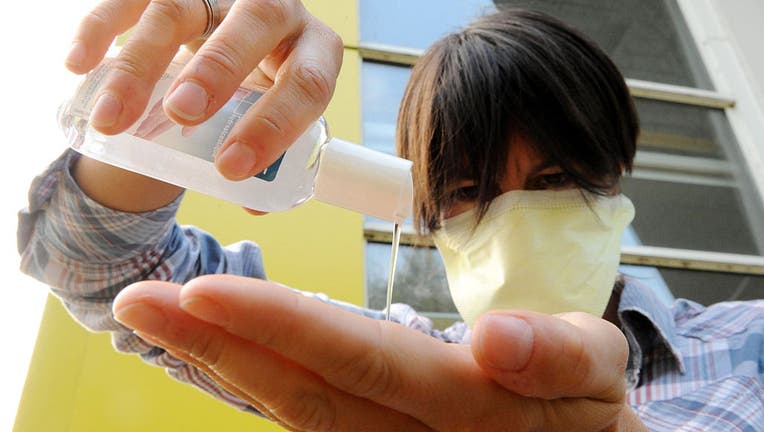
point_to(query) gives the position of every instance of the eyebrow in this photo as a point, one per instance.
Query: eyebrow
(541, 166)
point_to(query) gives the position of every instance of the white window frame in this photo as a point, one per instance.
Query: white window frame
(727, 72)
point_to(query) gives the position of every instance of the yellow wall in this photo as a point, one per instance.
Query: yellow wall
(77, 382)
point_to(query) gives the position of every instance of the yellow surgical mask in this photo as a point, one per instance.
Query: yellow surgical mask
(546, 251)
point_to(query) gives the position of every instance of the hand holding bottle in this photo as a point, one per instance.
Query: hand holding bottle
(279, 44)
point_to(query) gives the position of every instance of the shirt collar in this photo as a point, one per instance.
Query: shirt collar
(648, 325)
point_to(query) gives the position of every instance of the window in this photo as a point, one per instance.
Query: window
(697, 203)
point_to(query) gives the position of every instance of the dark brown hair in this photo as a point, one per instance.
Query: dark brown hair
(514, 73)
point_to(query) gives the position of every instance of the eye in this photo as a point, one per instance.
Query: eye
(465, 193)
(552, 180)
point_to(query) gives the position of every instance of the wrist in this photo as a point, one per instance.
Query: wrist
(121, 190)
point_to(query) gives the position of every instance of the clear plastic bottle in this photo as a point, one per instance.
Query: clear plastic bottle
(331, 170)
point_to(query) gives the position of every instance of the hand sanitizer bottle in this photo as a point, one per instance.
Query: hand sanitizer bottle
(331, 170)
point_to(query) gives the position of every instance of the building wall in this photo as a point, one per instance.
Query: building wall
(728, 35)
(741, 20)
(77, 382)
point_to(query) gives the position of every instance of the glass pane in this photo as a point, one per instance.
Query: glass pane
(382, 89)
(647, 39)
(416, 23)
(690, 216)
(420, 279)
(681, 129)
(690, 185)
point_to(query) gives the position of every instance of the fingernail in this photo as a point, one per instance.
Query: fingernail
(76, 55)
(235, 162)
(506, 342)
(188, 101)
(141, 317)
(106, 111)
(205, 309)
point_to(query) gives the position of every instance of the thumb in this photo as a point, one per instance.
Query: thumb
(552, 356)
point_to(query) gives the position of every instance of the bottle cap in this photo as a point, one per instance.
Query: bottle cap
(358, 178)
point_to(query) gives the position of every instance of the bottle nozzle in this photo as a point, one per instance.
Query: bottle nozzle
(364, 180)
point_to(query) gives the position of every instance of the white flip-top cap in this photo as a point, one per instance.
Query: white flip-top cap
(358, 178)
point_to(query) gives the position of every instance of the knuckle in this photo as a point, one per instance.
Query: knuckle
(621, 345)
(548, 417)
(528, 415)
(579, 363)
(208, 350)
(313, 83)
(131, 64)
(99, 17)
(333, 38)
(272, 12)
(370, 377)
(306, 410)
(367, 374)
(222, 57)
(274, 120)
(170, 10)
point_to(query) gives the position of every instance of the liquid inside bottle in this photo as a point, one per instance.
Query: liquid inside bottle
(157, 147)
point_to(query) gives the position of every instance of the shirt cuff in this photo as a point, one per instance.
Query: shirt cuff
(103, 234)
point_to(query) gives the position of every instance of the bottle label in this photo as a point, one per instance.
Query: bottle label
(269, 174)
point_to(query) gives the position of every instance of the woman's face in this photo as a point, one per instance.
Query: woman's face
(525, 170)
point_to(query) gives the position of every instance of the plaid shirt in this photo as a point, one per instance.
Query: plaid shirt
(691, 368)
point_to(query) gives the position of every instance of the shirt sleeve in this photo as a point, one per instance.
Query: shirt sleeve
(88, 253)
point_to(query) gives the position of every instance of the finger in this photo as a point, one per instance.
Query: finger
(98, 29)
(204, 368)
(182, 355)
(155, 131)
(153, 123)
(565, 356)
(401, 368)
(222, 63)
(303, 87)
(187, 131)
(254, 212)
(162, 28)
(257, 79)
(298, 398)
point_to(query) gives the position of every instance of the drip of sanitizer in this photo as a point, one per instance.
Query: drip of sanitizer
(316, 166)
(393, 260)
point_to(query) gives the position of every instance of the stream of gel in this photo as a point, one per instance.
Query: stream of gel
(393, 260)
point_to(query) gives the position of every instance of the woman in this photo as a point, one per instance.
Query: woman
(502, 120)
